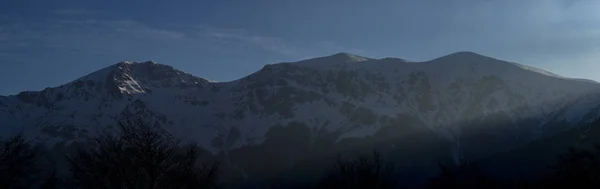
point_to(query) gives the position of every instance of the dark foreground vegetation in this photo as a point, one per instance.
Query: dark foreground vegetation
(144, 157)
(139, 157)
(575, 169)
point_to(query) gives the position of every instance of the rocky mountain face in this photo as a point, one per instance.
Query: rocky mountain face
(293, 117)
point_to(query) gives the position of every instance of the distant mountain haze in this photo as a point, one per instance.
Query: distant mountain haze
(292, 118)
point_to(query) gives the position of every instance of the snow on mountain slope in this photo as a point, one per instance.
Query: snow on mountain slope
(448, 83)
(343, 93)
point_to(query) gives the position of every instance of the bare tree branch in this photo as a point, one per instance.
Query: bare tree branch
(141, 157)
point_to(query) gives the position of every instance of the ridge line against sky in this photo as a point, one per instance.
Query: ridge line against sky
(46, 44)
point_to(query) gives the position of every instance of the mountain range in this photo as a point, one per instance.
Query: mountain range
(294, 117)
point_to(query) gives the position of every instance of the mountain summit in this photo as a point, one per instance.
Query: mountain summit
(139, 77)
(459, 106)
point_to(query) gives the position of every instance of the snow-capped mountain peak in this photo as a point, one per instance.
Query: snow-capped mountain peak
(335, 60)
(139, 77)
(326, 101)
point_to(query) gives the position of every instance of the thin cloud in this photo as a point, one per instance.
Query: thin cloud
(125, 27)
(78, 22)
(272, 44)
(12, 58)
(142, 30)
(75, 12)
(3, 36)
(84, 36)
(88, 36)
(275, 44)
(567, 4)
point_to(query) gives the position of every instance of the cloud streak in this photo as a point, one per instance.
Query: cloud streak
(274, 44)
(271, 44)
(88, 35)
(75, 12)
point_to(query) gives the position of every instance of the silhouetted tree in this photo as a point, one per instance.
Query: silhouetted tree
(141, 157)
(363, 173)
(467, 175)
(579, 168)
(18, 163)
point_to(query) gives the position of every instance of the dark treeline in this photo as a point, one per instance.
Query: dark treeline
(576, 169)
(365, 172)
(139, 157)
(144, 157)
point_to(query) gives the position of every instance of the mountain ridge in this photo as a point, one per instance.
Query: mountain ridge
(337, 57)
(463, 105)
(122, 78)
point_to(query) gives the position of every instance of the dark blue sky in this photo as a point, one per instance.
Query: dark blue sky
(48, 43)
